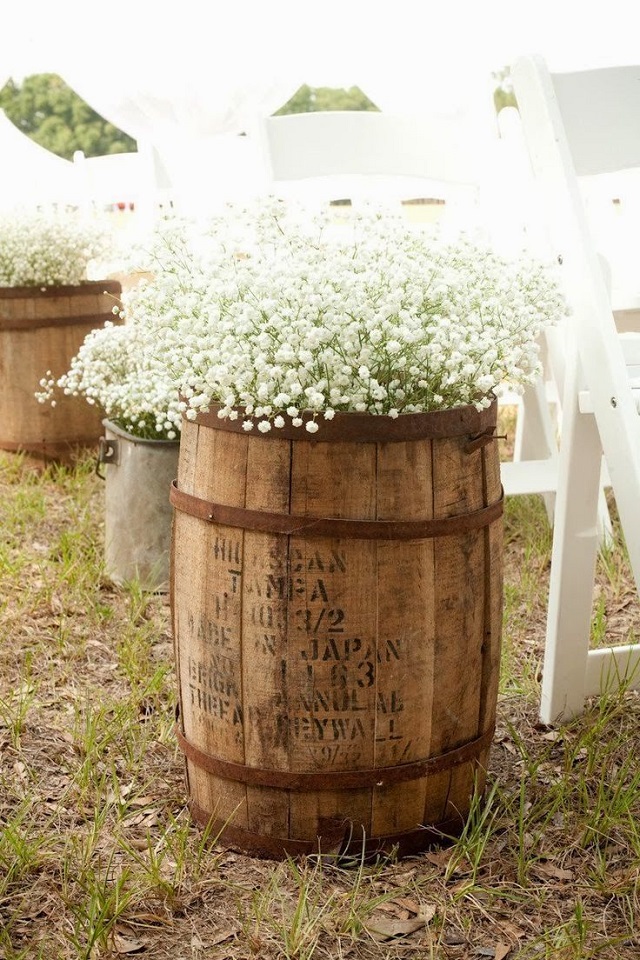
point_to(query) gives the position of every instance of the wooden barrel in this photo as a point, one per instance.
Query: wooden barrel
(337, 620)
(41, 329)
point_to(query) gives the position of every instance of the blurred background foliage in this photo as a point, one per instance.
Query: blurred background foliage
(46, 109)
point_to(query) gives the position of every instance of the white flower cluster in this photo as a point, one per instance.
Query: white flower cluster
(278, 315)
(117, 369)
(50, 249)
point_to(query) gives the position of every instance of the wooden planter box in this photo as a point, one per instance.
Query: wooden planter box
(41, 329)
(337, 614)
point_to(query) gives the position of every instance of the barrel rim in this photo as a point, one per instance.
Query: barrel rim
(60, 290)
(355, 427)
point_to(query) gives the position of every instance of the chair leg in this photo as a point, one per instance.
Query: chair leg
(575, 547)
(605, 526)
(535, 438)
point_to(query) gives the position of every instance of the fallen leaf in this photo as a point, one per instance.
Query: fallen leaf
(502, 950)
(453, 938)
(152, 918)
(33, 912)
(622, 605)
(427, 912)
(511, 930)
(138, 843)
(407, 904)
(556, 873)
(404, 878)
(127, 945)
(133, 821)
(97, 643)
(383, 929)
(395, 910)
(440, 859)
(403, 907)
(222, 935)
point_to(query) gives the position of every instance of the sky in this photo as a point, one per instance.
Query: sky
(204, 58)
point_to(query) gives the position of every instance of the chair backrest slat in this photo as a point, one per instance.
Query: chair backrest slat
(366, 142)
(601, 114)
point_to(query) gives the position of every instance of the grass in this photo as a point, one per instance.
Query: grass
(99, 857)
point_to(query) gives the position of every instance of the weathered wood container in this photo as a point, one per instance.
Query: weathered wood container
(337, 620)
(137, 528)
(41, 329)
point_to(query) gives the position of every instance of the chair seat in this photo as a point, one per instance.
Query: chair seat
(521, 477)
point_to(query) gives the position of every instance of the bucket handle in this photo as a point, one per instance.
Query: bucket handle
(107, 453)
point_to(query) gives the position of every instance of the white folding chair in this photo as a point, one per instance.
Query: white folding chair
(536, 437)
(362, 155)
(579, 125)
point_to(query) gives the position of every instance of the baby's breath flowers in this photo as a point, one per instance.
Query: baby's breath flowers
(50, 249)
(278, 317)
(116, 370)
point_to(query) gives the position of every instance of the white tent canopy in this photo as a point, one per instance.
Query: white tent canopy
(175, 77)
(209, 69)
(29, 173)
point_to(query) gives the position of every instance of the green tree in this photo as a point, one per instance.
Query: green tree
(503, 95)
(45, 108)
(311, 99)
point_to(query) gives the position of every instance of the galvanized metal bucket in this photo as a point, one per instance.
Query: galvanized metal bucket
(138, 515)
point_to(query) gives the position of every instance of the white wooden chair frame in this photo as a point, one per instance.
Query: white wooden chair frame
(577, 124)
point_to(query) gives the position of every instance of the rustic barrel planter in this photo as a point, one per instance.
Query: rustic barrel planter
(337, 618)
(41, 329)
(138, 474)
